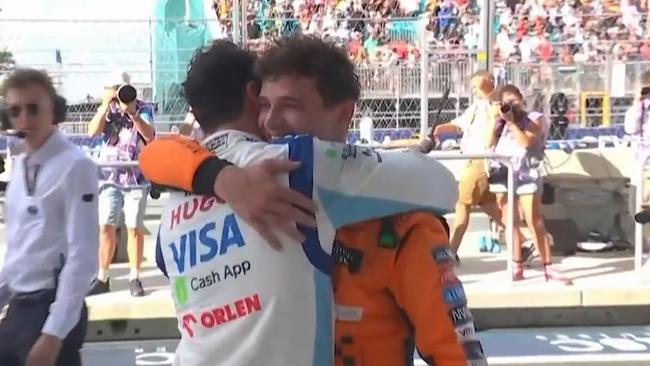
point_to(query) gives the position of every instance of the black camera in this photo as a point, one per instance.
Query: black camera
(126, 93)
(507, 107)
(642, 217)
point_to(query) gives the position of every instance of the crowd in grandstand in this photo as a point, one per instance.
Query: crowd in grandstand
(374, 31)
(568, 31)
(391, 31)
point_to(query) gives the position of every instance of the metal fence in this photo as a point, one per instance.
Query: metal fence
(82, 55)
(404, 65)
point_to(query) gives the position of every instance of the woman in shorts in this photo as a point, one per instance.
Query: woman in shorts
(517, 135)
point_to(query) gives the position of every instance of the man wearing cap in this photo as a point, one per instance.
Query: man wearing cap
(125, 124)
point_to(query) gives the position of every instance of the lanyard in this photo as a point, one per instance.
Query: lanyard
(30, 179)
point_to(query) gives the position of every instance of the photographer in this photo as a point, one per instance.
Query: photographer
(515, 134)
(126, 124)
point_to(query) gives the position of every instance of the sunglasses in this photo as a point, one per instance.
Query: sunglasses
(31, 109)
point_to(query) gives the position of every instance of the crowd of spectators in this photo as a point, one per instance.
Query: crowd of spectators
(389, 32)
(569, 31)
(375, 32)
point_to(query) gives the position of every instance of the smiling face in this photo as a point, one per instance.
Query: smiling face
(291, 104)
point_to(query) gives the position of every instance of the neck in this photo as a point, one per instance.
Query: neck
(34, 140)
(243, 124)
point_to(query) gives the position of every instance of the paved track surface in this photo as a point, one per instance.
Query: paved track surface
(549, 346)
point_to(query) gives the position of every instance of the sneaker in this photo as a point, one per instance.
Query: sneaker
(136, 288)
(99, 287)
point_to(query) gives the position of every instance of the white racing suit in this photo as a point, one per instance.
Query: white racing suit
(241, 303)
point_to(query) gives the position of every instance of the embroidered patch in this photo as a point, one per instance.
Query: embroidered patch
(442, 254)
(455, 296)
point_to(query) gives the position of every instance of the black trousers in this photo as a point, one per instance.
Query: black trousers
(21, 328)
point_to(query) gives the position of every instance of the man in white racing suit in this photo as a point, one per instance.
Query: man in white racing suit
(240, 302)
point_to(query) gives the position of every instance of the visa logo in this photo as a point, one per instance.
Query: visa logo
(200, 246)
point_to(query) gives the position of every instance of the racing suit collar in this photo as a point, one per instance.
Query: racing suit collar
(218, 141)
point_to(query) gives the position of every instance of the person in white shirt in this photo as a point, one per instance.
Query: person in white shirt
(473, 188)
(52, 231)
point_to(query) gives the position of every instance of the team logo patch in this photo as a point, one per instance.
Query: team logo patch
(455, 295)
(349, 151)
(217, 142)
(88, 197)
(466, 332)
(460, 315)
(443, 254)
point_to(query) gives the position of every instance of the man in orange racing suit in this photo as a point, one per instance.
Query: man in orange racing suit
(394, 282)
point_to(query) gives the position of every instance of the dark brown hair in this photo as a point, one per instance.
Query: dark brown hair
(508, 88)
(311, 57)
(216, 83)
(645, 78)
(22, 78)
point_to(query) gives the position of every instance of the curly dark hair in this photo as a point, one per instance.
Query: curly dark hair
(216, 83)
(311, 57)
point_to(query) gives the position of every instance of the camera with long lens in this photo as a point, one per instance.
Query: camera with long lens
(126, 93)
(506, 108)
(642, 217)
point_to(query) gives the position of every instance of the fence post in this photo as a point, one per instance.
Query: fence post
(424, 79)
(486, 36)
(244, 22)
(236, 22)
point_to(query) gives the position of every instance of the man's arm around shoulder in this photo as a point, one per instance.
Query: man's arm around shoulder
(253, 191)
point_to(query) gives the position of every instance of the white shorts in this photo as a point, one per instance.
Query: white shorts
(112, 200)
(522, 189)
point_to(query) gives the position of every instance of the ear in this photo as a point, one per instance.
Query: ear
(346, 113)
(253, 89)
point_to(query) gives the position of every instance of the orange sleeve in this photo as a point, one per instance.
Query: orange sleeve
(425, 286)
(173, 161)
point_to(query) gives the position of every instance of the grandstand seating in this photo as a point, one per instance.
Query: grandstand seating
(565, 31)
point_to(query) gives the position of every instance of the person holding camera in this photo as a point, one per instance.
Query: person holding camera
(517, 135)
(126, 125)
(52, 230)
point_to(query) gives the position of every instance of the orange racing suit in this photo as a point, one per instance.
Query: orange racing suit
(394, 282)
(395, 289)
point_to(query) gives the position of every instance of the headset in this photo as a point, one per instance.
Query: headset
(60, 112)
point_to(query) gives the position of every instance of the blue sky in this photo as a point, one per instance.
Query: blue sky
(118, 39)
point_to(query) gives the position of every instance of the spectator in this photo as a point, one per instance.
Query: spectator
(516, 134)
(595, 28)
(126, 125)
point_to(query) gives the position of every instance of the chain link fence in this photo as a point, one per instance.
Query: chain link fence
(82, 55)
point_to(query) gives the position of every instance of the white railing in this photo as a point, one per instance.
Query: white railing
(506, 160)
(510, 224)
(638, 228)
